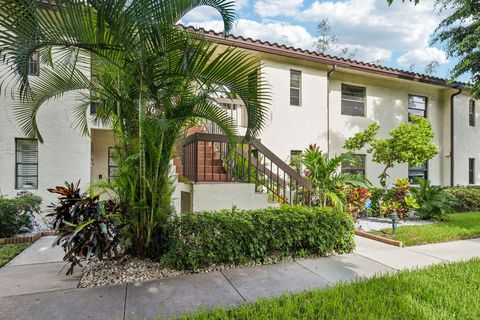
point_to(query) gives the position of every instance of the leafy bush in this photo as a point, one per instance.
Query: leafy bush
(433, 201)
(375, 209)
(16, 214)
(356, 200)
(466, 198)
(88, 227)
(230, 236)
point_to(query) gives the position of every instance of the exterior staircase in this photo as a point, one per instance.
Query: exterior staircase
(211, 158)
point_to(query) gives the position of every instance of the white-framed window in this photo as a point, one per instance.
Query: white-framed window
(357, 166)
(353, 100)
(34, 65)
(295, 88)
(417, 105)
(471, 113)
(26, 164)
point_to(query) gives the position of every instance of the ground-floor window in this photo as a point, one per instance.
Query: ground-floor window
(415, 173)
(471, 171)
(26, 164)
(112, 165)
(356, 166)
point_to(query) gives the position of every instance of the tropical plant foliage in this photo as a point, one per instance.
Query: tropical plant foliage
(16, 215)
(207, 238)
(433, 201)
(329, 185)
(88, 227)
(398, 200)
(152, 79)
(411, 142)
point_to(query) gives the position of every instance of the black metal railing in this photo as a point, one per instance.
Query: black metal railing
(212, 158)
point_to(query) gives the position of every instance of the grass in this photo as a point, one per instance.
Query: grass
(456, 226)
(450, 291)
(9, 251)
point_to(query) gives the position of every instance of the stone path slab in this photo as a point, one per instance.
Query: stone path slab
(32, 278)
(451, 251)
(345, 268)
(104, 303)
(175, 296)
(273, 280)
(33, 285)
(41, 251)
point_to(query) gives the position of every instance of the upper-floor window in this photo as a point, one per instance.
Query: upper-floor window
(417, 105)
(353, 100)
(34, 65)
(471, 113)
(295, 87)
(26, 164)
(417, 172)
(471, 171)
(93, 107)
(355, 166)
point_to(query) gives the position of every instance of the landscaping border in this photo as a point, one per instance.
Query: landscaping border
(375, 237)
(31, 239)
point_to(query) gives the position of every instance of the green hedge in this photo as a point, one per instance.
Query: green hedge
(14, 213)
(201, 239)
(466, 198)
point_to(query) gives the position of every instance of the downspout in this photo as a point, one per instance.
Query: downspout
(328, 107)
(452, 136)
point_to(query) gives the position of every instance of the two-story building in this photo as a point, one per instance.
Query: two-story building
(315, 99)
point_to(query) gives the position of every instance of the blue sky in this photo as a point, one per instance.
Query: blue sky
(397, 36)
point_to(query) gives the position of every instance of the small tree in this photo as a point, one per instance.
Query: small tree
(410, 142)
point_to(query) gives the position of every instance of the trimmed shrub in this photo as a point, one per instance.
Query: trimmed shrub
(16, 215)
(202, 239)
(466, 198)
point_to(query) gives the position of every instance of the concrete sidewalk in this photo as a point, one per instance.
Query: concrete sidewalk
(32, 286)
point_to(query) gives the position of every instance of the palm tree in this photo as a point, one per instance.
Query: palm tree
(153, 78)
(327, 182)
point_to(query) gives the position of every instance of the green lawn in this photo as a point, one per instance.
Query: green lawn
(456, 226)
(9, 251)
(441, 292)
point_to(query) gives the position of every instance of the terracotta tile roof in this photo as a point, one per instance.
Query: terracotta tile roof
(280, 49)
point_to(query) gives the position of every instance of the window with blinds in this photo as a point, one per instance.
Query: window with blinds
(26, 164)
(353, 100)
(295, 88)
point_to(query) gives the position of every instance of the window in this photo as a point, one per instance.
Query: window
(112, 166)
(295, 160)
(417, 105)
(34, 65)
(353, 100)
(418, 172)
(357, 166)
(295, 87)
(93, 107)
(26, 164)
(471, 171)
(471, 113)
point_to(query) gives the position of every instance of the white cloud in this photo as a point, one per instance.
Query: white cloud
(293, 35)
(422, 57)
(401, 27)
(274, 8)
(204, 13)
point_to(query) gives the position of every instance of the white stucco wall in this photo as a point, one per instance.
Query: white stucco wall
(386, 104)
(219, 196)
(293, 127)
(64, 155)
(467, 140)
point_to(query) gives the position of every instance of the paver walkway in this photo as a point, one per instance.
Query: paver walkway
(33, 286)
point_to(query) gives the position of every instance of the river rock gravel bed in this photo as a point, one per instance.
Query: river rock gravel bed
(375, 224)
(128, 269)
